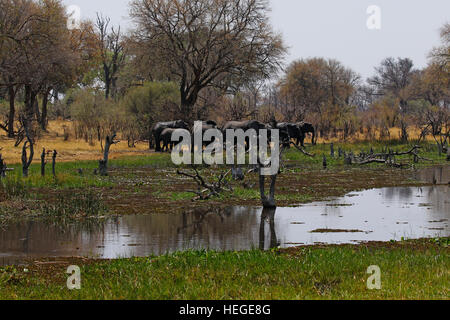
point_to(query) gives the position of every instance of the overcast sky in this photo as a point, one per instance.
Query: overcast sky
(336, 28)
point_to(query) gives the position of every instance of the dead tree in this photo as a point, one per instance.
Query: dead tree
(103, 164)
(385, 157)
(54, 162)
(26, 161)
(303, 150)
(268, 202)
(207, 190)
(43, 163)
(2, 167)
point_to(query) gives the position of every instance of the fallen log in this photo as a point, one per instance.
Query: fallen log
(387, 158)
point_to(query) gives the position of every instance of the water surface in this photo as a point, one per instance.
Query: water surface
(372, 215)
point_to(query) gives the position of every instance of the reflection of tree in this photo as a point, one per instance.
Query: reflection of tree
(27, 236)
(199, 219)
(268, 215)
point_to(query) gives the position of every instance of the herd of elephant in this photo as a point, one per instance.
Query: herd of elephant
(163, 131)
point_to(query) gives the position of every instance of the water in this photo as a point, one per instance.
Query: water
(373, 215)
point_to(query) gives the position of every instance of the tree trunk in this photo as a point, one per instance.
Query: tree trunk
(35, 105)
(187, 104)
(44, 110)
(2, 168)
(103, 164)
(12, 112)
(267, 201)
(43, 163)
(107, 81)
(54, 163)
(26, 161)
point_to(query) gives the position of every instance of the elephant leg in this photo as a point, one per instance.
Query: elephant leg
(157, 143)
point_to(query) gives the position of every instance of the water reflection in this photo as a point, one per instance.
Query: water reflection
(434, 175)
(377, 215)
(268, 217)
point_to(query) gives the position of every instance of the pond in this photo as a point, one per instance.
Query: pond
(372, 215)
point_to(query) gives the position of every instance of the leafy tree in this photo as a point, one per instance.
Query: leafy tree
(394, 77)
(153, 102)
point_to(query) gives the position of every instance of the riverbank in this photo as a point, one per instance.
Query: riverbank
(416, 269)
(150, 184)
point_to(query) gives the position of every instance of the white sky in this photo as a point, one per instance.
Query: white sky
(336, 28)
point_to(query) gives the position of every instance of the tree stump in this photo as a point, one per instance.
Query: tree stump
(268, 202)
(103, 167)
(348, 159)
(54, 162)
(2, 167)
(43, 163)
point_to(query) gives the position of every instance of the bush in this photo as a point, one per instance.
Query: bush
(151, 103)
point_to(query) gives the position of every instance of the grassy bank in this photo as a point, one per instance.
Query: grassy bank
(150, 184)
(409, 270)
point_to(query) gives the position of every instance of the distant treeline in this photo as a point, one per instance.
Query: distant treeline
(218, 60)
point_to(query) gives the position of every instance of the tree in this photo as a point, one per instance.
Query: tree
(393, 77)
(320, 90)
(153, 102)
(303, 87)
(39, 56)
(202, 43)
(441, 55)
(16, 19)
(112, 53)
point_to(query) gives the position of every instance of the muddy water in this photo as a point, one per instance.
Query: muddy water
(373, 215)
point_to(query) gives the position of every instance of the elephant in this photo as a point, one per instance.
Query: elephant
(292, 130)
(305, 128)
(207, 125)
(243, 125)
(283, 132)
(166, 138)
(159, 128)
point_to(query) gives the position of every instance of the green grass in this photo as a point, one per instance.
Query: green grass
(68, 176)
(407, 272)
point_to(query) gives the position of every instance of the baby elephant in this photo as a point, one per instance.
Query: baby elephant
(166, 138)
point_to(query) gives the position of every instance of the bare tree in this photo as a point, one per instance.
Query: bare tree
(112, 53)
(202, 43)
(441, 55)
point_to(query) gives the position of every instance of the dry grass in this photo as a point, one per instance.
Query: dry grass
(71, 150)
(78, 150)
